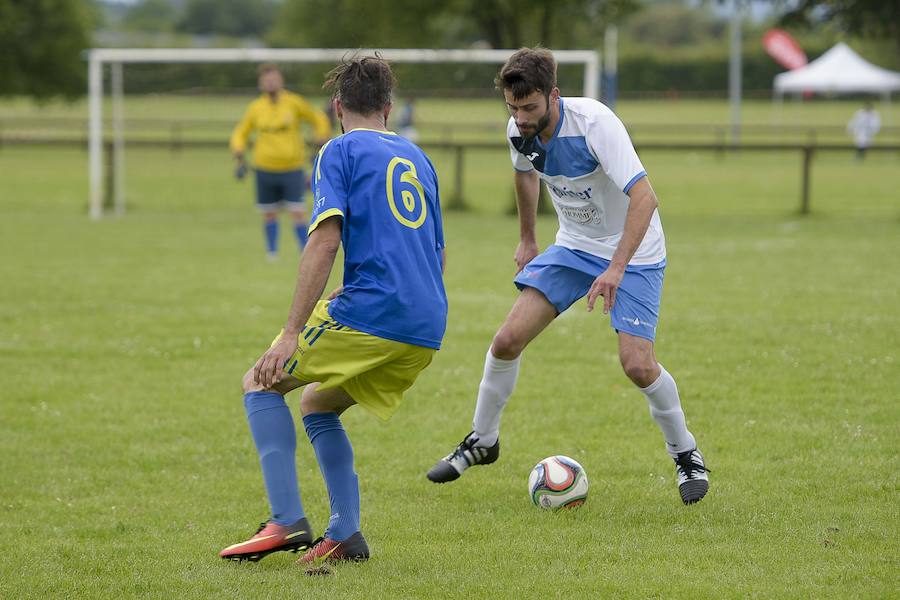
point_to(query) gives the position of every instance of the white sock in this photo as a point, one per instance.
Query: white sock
(665, 408)
(497, 385)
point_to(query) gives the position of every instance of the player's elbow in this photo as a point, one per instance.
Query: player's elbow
(326, 244)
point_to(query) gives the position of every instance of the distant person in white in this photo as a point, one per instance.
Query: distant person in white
(865, 123)
(610, 247)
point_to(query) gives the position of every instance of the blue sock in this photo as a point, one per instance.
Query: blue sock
(335, 456)
(271, 230)
(301, 234)
(276, 441)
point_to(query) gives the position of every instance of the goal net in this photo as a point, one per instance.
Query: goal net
(107, 71)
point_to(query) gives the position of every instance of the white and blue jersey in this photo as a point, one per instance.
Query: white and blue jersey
(588, 167)
(386, 191)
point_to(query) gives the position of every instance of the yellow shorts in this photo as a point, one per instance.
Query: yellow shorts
(373, 370)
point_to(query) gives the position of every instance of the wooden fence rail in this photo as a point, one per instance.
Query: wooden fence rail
(457, 201)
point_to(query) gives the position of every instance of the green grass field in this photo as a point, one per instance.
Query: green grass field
(127, 463)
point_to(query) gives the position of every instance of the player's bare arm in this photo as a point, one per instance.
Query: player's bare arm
(312, 276)
(528, 187)
(640, 210)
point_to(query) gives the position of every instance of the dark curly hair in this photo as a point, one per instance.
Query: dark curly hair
(527, 71)
(363, 84)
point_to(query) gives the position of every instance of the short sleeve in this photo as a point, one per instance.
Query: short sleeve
(610, 143)
(329, 186)
(438, 218)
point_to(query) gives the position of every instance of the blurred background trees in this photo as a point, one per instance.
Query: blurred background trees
(41, 42)
(665, 46)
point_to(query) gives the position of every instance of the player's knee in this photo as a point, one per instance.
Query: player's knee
(507, 345)
(308, 403)
(639, 369)
(248, 384)
(312, 402)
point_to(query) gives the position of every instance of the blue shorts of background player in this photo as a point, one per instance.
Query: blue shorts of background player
(564, 276)
(275, 190)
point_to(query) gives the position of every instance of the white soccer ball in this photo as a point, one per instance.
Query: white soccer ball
(558, 482)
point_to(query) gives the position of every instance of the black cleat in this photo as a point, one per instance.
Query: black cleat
(467, 454)
(693, 481)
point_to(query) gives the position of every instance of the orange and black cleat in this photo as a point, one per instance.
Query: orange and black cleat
(354, 548)
(271, 537)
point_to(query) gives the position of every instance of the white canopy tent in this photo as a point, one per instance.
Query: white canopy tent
(838, 71)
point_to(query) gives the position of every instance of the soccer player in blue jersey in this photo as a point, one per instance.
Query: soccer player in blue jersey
(376, 194)
(610, 244)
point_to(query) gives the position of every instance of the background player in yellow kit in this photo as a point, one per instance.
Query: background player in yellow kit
(278, 152)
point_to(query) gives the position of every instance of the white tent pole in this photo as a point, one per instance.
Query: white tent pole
(118, 125)
(95, 134)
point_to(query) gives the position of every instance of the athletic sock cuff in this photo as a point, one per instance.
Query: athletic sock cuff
(500, 364)
(255, 402)
(659, 381)
(318, 423)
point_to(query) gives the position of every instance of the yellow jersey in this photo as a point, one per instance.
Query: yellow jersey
(278, 145)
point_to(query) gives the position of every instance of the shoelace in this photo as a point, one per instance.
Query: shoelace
(686, 464)
(468, 443)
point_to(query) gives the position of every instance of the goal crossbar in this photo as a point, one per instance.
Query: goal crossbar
(116, 57)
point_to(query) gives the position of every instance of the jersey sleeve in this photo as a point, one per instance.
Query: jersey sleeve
(315, 117)
(439, 243)
(610, 143)
(238, 141)
(329, 186)
(520, 163)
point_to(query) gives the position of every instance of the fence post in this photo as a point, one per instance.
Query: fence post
(807, 166)
(175, 136)
(457, 202)
(109, 187)
(720, 141)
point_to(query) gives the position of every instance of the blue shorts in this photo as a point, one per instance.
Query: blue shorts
(565, 276)
(274, 188)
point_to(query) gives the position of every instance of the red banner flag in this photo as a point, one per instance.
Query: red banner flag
(784, 49)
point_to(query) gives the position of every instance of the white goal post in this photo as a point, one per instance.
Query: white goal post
(116, 57)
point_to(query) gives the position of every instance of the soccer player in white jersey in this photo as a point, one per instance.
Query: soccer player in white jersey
(610, 247)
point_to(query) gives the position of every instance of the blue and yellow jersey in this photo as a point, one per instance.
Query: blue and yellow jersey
(278, 144)
(386, 191)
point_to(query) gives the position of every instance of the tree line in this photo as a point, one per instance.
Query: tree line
(664, 44)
